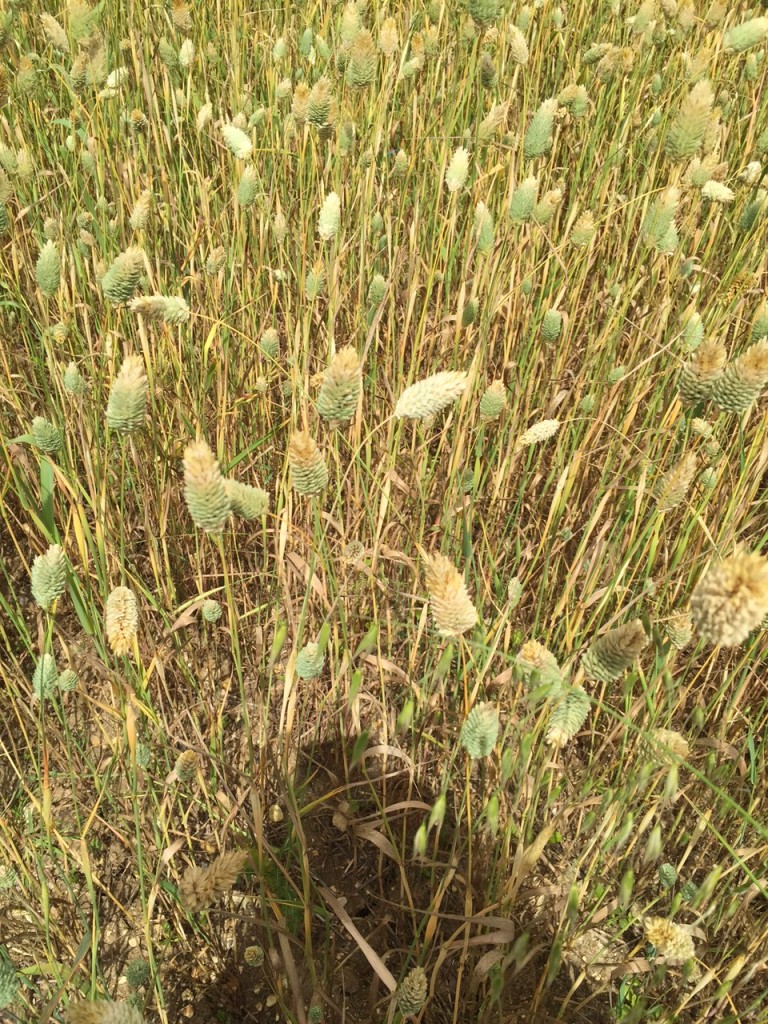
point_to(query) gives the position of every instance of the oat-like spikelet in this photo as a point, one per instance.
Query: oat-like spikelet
(701, 373)
(102, 1011)
(122, 279)
(688, 129)
(236, 141)
(245, 500)
(200, 887)
(171, 309)
(570, 712)
(673, 487)
(127, 404)
(679, 629)
(309, 473)
(412, 992)
(457, 170)
(362, 61)
(492, 121)
(538, 137)
(49, 576)
(673, 941)
(141, 210)
(121, 620)
(342, 386)
(429, 396)
(204, 488)
(452, 609)
(48, 269)
(743, 380)
(541, 431)
(494, 401)
(611, 654)
(731, 599)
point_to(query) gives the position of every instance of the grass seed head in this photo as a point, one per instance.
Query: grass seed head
(330, 217)
(102, 1011)
(45, 436)
(170, 309)
(679, 629)
(700, 375)
(121, 620)
(746, 35)
(483, 12)
(494, 401)
(201, 887)
(688, 130)
(245, 500)
(672, 941)
(300, 103)
(457, 171)
(48, 269)
(412, 992)
(127, 403)
(45, 677)
(484, 229)
(362, 60)
(518, 47)
(570, 712)
(49, 576)
(204, 488)
(342, 386)
(211, 610)
(140, 214)
(743, 380)
(541, 431)
(122, 278)
(185, 768)
(216, 260)
(538, 137)
(429, 396)
(249, 187)
(583, 230)
(452, 608)
(388, 38)
(237, 142)
(610, 655)
(309, 473)
(731, 599)
(523, 200)
(310, 661)
(673, 487)
(480, 730)
(551, 325)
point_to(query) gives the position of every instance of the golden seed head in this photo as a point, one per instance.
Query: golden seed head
(452, 609)
(121, 620)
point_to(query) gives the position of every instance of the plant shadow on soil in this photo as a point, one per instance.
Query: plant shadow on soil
(346, 845)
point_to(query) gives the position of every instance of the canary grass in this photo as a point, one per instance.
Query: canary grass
(465, 585)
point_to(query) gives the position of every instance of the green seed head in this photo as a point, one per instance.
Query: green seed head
(480, 730)
(45, 677)
(309, 662)
(127, 405)
(211, 610)
(48, 269)
(49, 576)
(45, 436)
(122, 279)
(247, 501)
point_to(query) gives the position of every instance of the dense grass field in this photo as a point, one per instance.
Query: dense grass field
(383, 511)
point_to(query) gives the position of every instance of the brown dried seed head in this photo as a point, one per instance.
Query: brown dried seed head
(200, 887)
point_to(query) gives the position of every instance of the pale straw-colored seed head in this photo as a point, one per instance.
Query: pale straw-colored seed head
(342, 386)
(412, 992)
(545, 209)
(571, 707)
(204, 116)
(718, 193)
(523, 200)
(249, 187)
(309, 473)
(583, 230)
(186, 54)
(362, 60)
(200, 887)
(731, 599)
(49, 576)
(518, 47)
(121, 620)
(672, 489)
(537, 664)
(483, 229)
(679, 629)
(204, 489)
(494, 401)
(666, 744)
(300, 103)
(247, 501)
(541, 431)
(237, 142)
(141, 210)
(388, 38)
(321, 106)
(122, 278)
(429, 396)
(330, 217)
(127, 404)
(614, 652)
(171, 309)
(452, 609)
(672, 941)
(216, 260)
(55, 33)
(457, 170)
